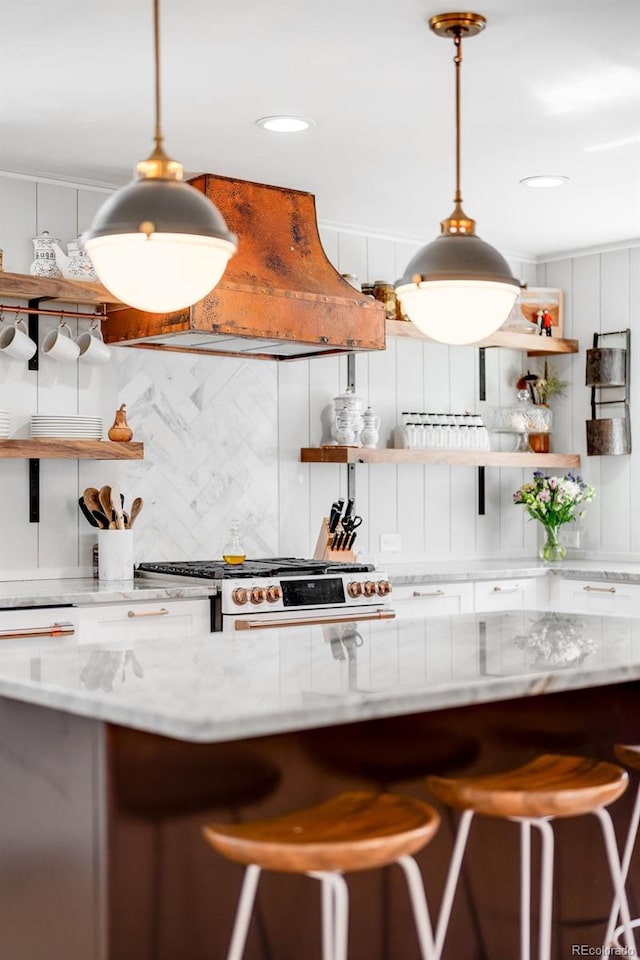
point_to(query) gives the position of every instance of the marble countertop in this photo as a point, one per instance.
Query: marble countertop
(44, 593)
(438, 571)
(222, 686)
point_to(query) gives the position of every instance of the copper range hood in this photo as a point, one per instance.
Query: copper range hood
(279, 298)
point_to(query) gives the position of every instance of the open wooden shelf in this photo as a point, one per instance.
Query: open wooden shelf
(534, 345)
(25, 287)
(452, 458)
(53, 449)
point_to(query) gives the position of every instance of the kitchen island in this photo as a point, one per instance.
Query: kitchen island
(314, 710)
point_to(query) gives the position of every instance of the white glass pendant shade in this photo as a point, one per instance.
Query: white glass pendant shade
(458, 289)
(457, 311)
(159, 245)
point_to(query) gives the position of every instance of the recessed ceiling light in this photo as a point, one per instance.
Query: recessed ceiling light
(544, 181)
(285, 124)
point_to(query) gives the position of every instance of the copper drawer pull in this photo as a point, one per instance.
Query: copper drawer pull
(162, 612)
(276, 624)
(57, 630)
(508, 590)
(436, 593)
(599, 589)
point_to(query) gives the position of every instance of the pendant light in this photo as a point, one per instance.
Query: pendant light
(457, 289)
(159, 244)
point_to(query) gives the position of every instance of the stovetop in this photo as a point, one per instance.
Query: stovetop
(270, 567)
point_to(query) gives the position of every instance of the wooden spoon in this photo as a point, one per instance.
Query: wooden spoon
(105, 501)
(136, 507)
(91, 498)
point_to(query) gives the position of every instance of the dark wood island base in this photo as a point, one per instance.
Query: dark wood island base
(162, 791)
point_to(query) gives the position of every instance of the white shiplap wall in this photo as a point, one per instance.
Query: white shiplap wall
(434, 509)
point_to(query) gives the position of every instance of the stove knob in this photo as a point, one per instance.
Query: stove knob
(240, 596)
(257, 595)
(384, 587)
(369, 588)
(274, 594)
(354, 589)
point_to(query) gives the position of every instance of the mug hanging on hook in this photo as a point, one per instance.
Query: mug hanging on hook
(15, 341)
(60, 345)
(91, 344)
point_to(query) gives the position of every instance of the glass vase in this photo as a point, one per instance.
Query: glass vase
(552, 550)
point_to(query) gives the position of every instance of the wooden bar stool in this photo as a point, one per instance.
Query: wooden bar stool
(630, 756)
(352, 831)
(548, 787)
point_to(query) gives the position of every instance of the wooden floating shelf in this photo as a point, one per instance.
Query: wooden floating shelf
(51, 449)
(25, 287)
(452, 458)
(534, 345)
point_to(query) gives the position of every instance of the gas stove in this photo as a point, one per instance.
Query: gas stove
(283, 591)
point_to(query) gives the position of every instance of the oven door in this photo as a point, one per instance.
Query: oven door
(305, 618)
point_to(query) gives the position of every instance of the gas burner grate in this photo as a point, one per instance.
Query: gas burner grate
(270, 567)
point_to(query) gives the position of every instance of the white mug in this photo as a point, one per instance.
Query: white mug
(93, 349)
(60, 345)
(15, 342)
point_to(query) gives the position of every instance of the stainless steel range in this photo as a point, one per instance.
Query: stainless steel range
(282, 592)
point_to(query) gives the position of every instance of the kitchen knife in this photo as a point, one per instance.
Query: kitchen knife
(349, 510)
(352, 540)
(334, 516)
(87, 513)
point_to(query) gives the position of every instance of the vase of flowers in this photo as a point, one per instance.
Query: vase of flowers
(553, 501)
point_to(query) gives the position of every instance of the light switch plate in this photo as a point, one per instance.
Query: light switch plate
(390, 542)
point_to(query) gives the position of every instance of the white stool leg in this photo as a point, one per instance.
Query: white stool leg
(525, 889)
(546, 888)
(452, 879)
(626, 860)
(243, 913)
(419, 906)
(617, 878)
(335, 914)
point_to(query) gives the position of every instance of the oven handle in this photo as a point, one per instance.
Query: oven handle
(314, 621)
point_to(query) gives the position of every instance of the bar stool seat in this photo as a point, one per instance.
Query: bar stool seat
(548, 786)
(534, 794)
(354, 831)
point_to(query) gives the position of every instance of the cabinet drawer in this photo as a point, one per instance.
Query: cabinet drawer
(40, 624)
(506, 595)
(432, 599)
(596, 596)
(144, 620)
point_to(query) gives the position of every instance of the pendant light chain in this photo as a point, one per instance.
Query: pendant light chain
(156, 50)
(457, 61)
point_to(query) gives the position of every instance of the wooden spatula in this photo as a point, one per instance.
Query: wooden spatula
(136, 507)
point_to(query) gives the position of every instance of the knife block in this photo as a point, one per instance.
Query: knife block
(323, 549)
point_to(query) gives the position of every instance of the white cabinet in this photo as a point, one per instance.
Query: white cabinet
(144, 620)
(617, 599)
(432, 599)
(524, 594)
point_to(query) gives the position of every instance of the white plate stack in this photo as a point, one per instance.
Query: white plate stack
(5, 423)
(66, 428)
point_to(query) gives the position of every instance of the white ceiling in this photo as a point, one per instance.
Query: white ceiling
(550, 87)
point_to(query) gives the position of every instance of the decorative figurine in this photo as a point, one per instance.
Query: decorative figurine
(120, 431)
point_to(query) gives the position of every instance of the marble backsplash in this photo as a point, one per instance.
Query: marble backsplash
(210, 429)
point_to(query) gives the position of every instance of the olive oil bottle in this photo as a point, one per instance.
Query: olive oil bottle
(234, 552)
